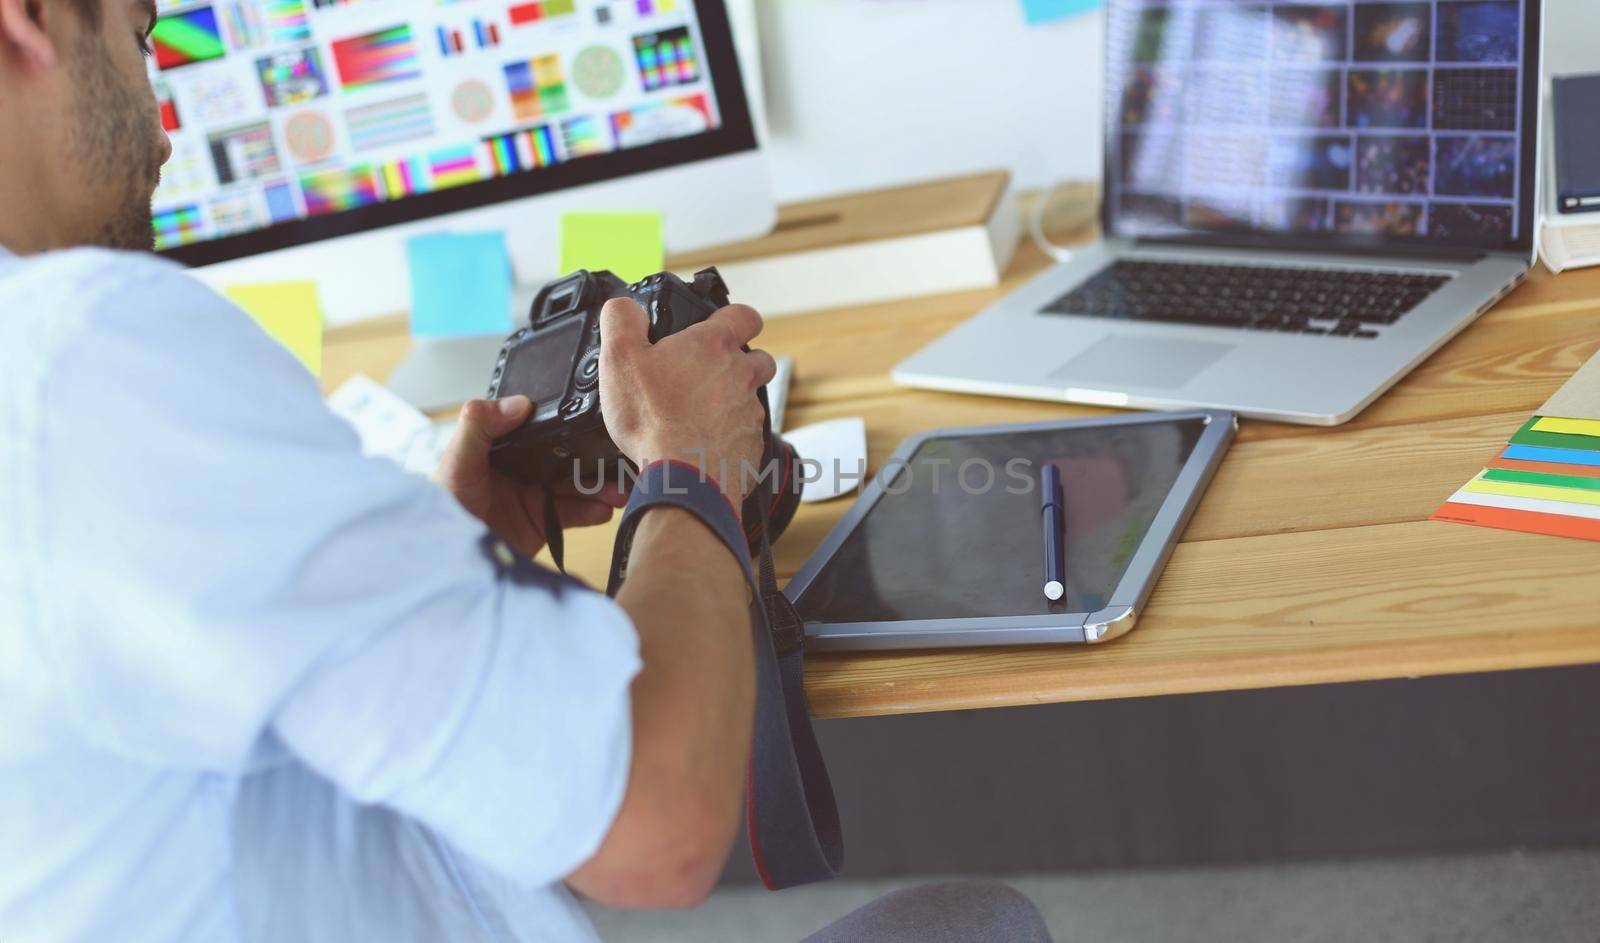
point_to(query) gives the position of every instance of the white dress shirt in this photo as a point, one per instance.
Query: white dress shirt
(253, 685)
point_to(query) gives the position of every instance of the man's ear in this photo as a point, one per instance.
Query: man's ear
(22, 30)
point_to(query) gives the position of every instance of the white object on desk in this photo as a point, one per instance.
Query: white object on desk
(778, 391)
(835, 457)
(389, 426)
(1565, 240)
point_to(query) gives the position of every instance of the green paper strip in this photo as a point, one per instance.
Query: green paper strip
(1539, 478)
(1554, 440)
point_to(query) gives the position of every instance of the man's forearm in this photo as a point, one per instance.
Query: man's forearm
(693, 708)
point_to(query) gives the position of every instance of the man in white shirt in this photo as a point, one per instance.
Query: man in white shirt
(255, 686)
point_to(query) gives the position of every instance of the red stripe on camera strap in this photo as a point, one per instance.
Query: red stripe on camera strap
(790, 810)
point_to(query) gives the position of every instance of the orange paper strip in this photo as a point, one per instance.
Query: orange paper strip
(1531, 522)
(1546, 468)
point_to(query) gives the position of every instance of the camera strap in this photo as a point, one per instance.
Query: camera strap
(790, 811)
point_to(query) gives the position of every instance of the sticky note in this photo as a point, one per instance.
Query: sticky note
(1532, 453)
(1545, 468)
(460, 284)
(626, 244)
(1569, 426)
(1584, 482)
(1481, 485)
(1035, 12)
(1528, 435)
(289, 311)
(1515, 514)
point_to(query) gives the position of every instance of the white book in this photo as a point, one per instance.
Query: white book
(864, 248)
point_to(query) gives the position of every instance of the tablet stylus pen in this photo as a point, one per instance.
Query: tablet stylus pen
(1054, 520)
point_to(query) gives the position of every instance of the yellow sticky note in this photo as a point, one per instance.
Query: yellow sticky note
(1513, 489)
(628, 244)
(290, 311)
(1568, 426)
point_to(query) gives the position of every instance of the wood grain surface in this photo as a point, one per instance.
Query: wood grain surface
(1310, 559)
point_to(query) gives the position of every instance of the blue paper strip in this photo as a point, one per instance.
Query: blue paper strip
(1535, 453)
(460, 284)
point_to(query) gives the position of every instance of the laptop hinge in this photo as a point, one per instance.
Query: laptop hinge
(1396, 252)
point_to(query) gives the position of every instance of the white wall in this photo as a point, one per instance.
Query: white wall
(868, 93)
(865, 93)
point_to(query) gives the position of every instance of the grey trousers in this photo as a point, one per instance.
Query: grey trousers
(957, 912)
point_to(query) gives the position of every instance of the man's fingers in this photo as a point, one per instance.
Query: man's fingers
(763, 367)
(582, 512)
(482, 421)
(623, 325)
(741, 321)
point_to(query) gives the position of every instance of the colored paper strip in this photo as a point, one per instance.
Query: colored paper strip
(290, 312)
(1035, 12)
(460, 284)
(1554, 440)
(1540, 478)
(1536, 505)
(1590, 427)
(1546, 468)
(627, 244)
(1532, 453)
(1481, 485)
(1531, 522)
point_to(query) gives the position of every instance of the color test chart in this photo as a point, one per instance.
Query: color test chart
(280, 110)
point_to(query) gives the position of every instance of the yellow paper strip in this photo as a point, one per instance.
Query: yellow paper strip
(1515, 489)
(290, 311)
(1568, 426)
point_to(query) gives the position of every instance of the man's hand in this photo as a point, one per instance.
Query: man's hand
(691, 397)
(514, 511)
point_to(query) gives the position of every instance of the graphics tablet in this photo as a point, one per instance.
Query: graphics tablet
(944, 546)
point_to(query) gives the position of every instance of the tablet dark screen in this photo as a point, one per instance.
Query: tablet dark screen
(948, 539)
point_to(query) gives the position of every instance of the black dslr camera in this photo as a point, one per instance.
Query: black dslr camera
(555, 361)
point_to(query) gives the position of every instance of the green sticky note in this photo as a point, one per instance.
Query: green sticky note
(1528, 435)
(1541, 478)
(290, 311)
(626, 244)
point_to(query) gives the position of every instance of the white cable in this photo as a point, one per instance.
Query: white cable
(1036, 227)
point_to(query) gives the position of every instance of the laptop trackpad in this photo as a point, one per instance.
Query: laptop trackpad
(1117, 360)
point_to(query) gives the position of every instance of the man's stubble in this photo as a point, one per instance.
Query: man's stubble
(111, 141)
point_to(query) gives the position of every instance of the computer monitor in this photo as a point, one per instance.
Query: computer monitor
(1389, 123)
(312, 137)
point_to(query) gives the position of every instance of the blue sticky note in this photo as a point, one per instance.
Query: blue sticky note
(1035, 12)
(1539, 453)
(460, 284)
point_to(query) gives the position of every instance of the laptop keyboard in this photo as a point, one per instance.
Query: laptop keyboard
(1339, 303)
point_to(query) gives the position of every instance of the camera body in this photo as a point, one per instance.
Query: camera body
(555, 361)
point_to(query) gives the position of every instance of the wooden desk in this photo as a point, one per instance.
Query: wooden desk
(1310, 560)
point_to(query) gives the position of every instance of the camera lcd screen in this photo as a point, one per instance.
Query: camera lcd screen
(943, 542)
(540, 370)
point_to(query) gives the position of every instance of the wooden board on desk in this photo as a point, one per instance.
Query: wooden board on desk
(1310, 559)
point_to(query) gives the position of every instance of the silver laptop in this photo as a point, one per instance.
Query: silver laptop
(1302, 202)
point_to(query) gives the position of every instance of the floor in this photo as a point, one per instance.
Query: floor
(1548, 896)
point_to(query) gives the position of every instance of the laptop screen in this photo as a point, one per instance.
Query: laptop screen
(1323, 122)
